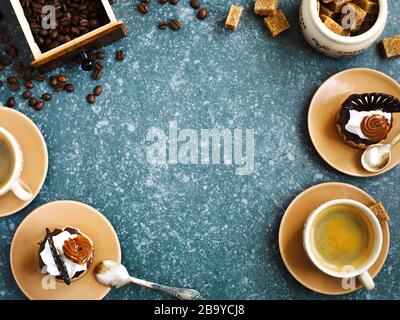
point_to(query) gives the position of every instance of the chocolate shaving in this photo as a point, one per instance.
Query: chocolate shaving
(57, 259)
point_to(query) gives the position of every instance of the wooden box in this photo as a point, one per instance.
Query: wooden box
(100, 37)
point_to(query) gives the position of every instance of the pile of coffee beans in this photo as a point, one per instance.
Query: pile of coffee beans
(174, 24)
(74, 18)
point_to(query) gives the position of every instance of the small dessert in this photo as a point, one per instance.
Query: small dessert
(265, 7)
(366, 119)
(277, 23)
(66, 254)
(233, 19)
(391, 46)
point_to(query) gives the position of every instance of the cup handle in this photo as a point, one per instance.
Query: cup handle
(22, 191)
(366, 280)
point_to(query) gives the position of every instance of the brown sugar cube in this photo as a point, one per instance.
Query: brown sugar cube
(233, 19)
(359, 16)
(324, 10)
(346, 33)
(368, 6)
(277, 23)
(391, 46)
(337, 5)
(380, 212)
(332, 25)
(265, 7)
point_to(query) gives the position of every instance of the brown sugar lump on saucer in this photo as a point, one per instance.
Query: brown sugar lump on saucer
(366, 119)
(265, 7)
(277, 23)
(66, 254)
(233, 19)
(380, 212)
(391, 46)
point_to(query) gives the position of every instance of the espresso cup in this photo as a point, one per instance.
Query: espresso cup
(15, 157)
(327, 229)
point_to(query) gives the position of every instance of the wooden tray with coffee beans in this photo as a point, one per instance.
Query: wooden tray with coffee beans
(58, 31)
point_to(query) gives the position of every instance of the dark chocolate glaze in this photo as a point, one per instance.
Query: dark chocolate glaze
(366, 102)
(53, 234)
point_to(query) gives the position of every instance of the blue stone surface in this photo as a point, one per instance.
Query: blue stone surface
(200, 226)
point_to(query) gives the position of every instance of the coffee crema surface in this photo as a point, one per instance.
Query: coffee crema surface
(7, 161)
(342, 237)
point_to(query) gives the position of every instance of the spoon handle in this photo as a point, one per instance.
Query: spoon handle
(395, 140)
(180, 293)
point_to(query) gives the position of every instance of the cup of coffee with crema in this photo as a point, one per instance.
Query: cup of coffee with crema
(11, 165)
(343, 238)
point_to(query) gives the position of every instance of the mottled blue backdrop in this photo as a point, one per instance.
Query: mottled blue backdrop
(198, 226)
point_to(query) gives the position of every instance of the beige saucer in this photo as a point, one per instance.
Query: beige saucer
(35, 157)
(24, 257)
(290, 237)
(321, 118)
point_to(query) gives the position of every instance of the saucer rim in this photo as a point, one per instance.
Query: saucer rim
(283, 220)
(46, 154)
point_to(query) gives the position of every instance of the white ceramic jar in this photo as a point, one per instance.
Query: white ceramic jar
(331, 44)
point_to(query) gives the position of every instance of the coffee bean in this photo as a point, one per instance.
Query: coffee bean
(62, 78)
(202, 14)
(40, 77)
(162, 25)
(145, 1)
(10, 102)
(143, 7)
(12, 79)
(98, 65)
(53, 81)
(29, 85)
(98, 91)
(32, 101)
(173, 2)
(59, 87)
(195, 4)
(163, 1)
(39, 105)
(26, 95)
(100, 55)
(1, 67)
(91, 98)
(69, 87)
(46, 96)
(15, 86)
(174, 24)
(120, 55)
(97, 74)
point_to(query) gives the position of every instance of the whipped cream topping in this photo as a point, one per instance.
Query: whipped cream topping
(356, 118)
(48, 259)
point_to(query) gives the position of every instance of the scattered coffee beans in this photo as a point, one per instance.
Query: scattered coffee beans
(202, 14)
(163, 1)
(39, 105)
(91, 98)
(100, 55)
(29, 85)
(120, 55)
(62, 78)
(195, 4)
(26, 95)
(96, 75)
(98, 65)
(98, 91)
(69, 87)
(143, 7)
(10, 102)
(32, 101)
(46, 96)
(173, 2)
(162, 25)
(174, 24)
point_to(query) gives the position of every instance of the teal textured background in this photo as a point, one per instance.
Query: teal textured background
(198, 226)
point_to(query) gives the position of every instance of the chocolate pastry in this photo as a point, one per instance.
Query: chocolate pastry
(366, 119)
(66, 254)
